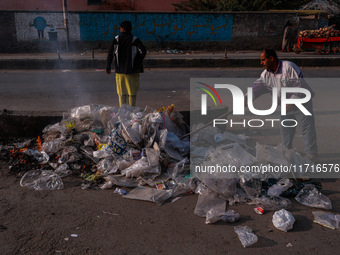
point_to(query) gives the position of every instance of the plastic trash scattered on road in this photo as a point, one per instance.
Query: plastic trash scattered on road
(326, 219)
(141, 154)
(214, 215)
(246, 235)
(120, 191)
(42, 180)
(283, 220)
(311, 197)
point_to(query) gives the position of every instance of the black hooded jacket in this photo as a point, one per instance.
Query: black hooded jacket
(128, 52)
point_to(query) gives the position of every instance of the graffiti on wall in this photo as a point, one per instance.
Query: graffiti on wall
(45, 26)
(153, 26)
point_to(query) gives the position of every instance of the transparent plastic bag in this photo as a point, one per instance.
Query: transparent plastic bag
(174, 123)
(41, 180)
(226, 188)
(39, 156)
(107, 166)
(228, 137)
(232, 154)
(152, 155)
(311, 197)
(214, 216)
(185, 186)
(271, 203)
(270, 154)
(53, 147)
(53, 132)
(208, 200)
(230, 216)
(179, 169)
(280, 187)
(252, 187)
(63, 170)
(246, 235)
(174, 143)
(69, 154)
(204, 137)
(81, 112)
(106, 185)
(132, 133)
(326, 219)
(123, 163)
(149, 194)
(283, 220)
(120, 180)
(140, 167)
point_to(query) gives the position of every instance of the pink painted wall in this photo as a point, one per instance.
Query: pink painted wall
(81, 5)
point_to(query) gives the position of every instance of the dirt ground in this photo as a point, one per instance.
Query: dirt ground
(42, 222)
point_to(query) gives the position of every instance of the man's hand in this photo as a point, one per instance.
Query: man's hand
(108, 71)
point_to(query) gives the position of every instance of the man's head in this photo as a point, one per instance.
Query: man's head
(126, 26)
(269, 60)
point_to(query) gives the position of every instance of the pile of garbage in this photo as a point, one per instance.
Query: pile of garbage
(323, 32)
(140, 154)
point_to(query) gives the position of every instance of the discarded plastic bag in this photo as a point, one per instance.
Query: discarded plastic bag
(224, 187)
(246, 235)
(231, 154)
(132, 133)
(149, 194)
(40, 156)
(175, 147)
(252, 187)
(107, 166)
(54, 132)
(69, 154)
(270, 154)
(184, 186)
(41, 180)
(52, 147)
(229, 216)
(208, 200)
(121, 181)
(140, 167)
(106, 185)
(271, 203)
(280, 187)
(311, 197)
(63, 170)
(179, 168)
(326, 219)
(283, 220)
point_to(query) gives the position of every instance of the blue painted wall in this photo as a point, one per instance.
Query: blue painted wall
(178, 27)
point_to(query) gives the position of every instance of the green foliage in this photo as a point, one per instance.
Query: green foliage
(238, 5)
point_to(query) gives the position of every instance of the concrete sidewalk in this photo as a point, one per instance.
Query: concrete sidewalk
(159, 59)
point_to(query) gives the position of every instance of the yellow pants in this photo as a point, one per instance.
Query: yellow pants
(127, 85)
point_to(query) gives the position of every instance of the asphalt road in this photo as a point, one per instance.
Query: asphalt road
(59, 90)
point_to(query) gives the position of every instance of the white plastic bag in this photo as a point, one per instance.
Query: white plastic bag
(246, 235)
(283, 220)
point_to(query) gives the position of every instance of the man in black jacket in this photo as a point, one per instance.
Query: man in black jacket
(128, 52)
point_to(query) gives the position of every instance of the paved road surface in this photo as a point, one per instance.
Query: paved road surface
(60, 90)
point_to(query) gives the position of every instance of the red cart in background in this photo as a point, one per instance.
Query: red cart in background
(315, 44)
